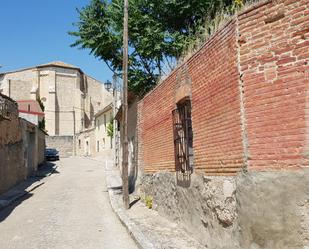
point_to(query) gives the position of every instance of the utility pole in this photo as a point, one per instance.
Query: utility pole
(114, 116)
(125, 180)
(74, 132)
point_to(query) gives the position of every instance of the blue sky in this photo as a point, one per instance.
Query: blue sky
(34, 32)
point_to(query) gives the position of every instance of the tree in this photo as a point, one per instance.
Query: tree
(41, 123)
(159, 31)
(110, 129)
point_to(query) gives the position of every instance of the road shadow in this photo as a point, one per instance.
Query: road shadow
(46, 169)
(18, 194)
(5, 212)
(117, 190)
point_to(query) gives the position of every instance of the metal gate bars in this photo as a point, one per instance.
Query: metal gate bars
(183, 137)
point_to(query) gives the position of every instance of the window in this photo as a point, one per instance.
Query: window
(183, 137)
(79, 143)
(103, 145)
(105, 122)
(98, 124)
(98, 146)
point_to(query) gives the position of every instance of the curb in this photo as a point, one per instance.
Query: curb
(131, 227)
(137, 235)
(15, 193)
(18, 195)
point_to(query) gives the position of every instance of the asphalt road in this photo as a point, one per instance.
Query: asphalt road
(71, 210)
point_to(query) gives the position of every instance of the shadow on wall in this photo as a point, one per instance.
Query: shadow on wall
(183, 179)
(43, 171)
(133, 167)
(133, 178)
(57, 117)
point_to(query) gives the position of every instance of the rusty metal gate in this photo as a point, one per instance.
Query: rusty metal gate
(183, 137)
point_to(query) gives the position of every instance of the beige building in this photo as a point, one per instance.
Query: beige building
(71, 98)
(85, 143)
(104, 124)
(97, 141)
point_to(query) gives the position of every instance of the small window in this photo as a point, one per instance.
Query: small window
(103, 145)
(98, 146)
(79, 143)
(183, 137)
(98, 124)
(105, 122)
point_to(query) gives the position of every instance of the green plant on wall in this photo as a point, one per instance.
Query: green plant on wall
(110, 129)
(41, 123)
(148, 202)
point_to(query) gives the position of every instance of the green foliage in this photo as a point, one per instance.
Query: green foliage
(159, 32)
(41, 123)
(40, 103)
(110, 129)
(148, 201)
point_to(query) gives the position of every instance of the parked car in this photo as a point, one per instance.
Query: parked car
(51, 154)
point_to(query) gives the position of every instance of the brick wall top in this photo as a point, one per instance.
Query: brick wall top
(274, 51)
(249, 94)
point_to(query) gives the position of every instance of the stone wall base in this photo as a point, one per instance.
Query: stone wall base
(268, 210)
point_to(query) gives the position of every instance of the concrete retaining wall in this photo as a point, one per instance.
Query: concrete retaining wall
(261, 210)
(64, 144)
(273, 210)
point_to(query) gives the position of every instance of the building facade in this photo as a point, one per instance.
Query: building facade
(98, 140)
(104, 130)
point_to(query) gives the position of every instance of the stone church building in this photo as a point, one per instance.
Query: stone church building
(70, 97)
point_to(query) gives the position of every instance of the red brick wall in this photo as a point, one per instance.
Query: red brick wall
(155, 127)
(215, 110)
(249, 86)
(274, 51)
(216, 105)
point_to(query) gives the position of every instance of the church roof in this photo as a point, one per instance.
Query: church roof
(50, 64)
(58, 64)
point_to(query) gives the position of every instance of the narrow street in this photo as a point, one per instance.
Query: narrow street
(71, 210)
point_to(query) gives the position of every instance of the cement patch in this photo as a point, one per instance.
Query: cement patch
(273, 209)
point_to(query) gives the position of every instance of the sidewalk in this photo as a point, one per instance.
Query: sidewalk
(27, 186)
(146, 226)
